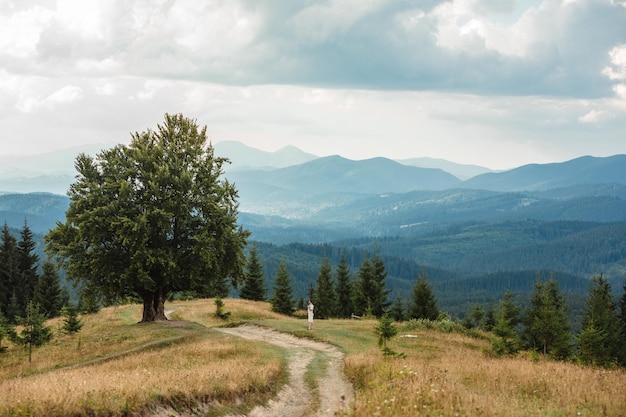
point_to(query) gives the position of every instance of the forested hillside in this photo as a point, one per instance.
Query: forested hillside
(567, 220)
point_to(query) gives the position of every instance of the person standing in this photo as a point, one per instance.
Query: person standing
(310, 310)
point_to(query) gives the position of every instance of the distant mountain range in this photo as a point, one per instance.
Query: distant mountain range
(466, 225)
(54, 172)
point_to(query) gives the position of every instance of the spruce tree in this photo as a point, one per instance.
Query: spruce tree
(343, 288)
(34, 331)
(325, 297)
(282, 299)
(5, 330)
(9, 275)
(398, 312)
(424, 303)
(505, 327)
(622, 316)
(13, 309)
(386, 330)
(27, 265)
(380, 294)
(490, 319)
(254, 285)
(547, 330)
(48, 291)
(477, 314)
(71, 321)
(363, 289)
(600, 340)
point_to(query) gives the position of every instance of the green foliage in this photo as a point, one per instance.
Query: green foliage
(219, 309)
(600, 339)
(48, 291)
(507, 341)
(363, 288)
(6, 330)
(325, 297)
(424, 303)
(386, 330)
(282, 299)
(254, 281)
(547, 329)
(71, 322)
(27, 262)
(89, 300)
(18, 271)
(8, 274)
(442, 324)
(34, 332)
(343, 288)
(477, 314)
(397, 311)
(380, 294)
(370, 292)
(152, 218)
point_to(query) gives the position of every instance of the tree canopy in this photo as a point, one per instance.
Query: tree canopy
(152, 218)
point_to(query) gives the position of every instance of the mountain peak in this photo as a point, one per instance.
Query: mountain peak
(243, 156)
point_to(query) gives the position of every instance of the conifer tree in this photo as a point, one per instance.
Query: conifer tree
(254, 280)
(363, 289)
(477, 314)
(13, 309)
(325, 297)
(386, 330)
(9, 274)
(398, 312)
(622, 315)
(490, 319)
(34, 332)
(547, 330)
(282, 299)
(600, 339)
(27, 265)
(310, 292)
(48, 291)
(380, 294)
(507, 318)
(343, 288)
(71, 321)
(424, 303)
(5, 330)
(89, 300)
(510, 310)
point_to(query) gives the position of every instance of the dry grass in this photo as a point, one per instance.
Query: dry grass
(202, 311)
(180, 375)
(449, 375)
(123, 368)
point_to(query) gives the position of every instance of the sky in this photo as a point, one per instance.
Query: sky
(487, 82)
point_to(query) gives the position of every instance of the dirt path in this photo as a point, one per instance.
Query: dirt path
(296, 399)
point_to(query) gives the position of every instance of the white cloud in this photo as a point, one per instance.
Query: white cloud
(20, 32)
(617, 70)
(67, 94)
(64, 95)
(593, 116)
(477, 81)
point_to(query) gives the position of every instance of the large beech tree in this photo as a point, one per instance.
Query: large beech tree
(151, 218)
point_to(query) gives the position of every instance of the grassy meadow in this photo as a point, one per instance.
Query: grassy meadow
(117, 367)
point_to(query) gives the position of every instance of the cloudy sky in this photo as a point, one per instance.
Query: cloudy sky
(488, 82)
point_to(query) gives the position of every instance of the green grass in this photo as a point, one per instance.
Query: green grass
(350, 336)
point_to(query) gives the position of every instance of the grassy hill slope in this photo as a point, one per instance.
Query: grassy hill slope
(116, 367)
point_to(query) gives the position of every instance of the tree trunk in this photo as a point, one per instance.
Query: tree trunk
(154, 306)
